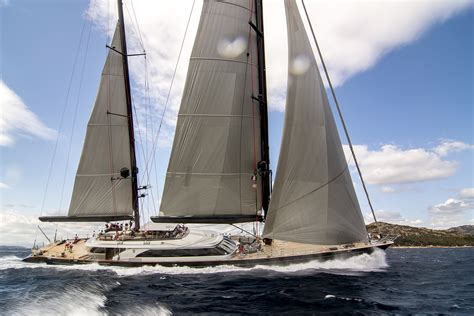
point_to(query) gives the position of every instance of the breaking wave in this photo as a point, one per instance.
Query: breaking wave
(73, 301)
(13, 262)
(363, 284)
(78, 301)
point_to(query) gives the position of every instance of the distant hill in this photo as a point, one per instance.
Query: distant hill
(465, 229)
(425, 237)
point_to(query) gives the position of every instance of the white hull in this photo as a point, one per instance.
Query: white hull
(196, 248)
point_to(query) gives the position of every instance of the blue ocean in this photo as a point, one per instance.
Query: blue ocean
(400, 281)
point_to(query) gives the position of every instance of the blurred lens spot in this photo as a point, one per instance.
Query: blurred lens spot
(299, 65)
(230, 47)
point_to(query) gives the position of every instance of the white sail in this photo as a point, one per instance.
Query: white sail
(217, 141)
(313, 199)
(97, 191)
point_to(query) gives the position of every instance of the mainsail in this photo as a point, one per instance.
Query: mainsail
(313, 199)
(216, 148)
(100, 191)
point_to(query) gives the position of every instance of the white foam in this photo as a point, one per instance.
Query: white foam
(331, 296)
(159, 310)
(78, 301)
(14, 262)
(362, 263)
(9, 258)
(73, 301)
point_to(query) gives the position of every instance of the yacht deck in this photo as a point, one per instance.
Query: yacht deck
(278, 250)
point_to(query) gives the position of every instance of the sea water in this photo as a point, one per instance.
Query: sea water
(400, 281)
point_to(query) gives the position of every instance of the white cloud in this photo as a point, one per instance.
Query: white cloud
(17, 120)
(458, 205)
(453, 211)
(4, 3)
(392, 217)
(3, 185)
(452, 206)
(12, 174)
(449, 146)
(417, 222)
(354, 36)
(387, 189)
(394, 165)
(467, 193)
(19, 229)
(443, 221)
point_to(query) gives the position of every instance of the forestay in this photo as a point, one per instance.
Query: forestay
(313, 199)
(100, 193)
(217, 139)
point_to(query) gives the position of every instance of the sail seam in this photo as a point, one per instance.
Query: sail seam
(216, 115)
(100, 201)
(101, 124)
(222, 59)
(97, 174)
(317, 189)
(236, 5)
(209, 174)
(112, 75)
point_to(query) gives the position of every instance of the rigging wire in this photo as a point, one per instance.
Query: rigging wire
(75, 114)
(62, 117)
(244, 230)
(151, 158)
(340, 115)
(147, 91)
(155, 139)
(61, 122)
(149, 114)
(147, 172)
(143, 144)
(147, 100)
(136, 24)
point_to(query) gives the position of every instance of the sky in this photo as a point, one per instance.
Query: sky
(403, 72)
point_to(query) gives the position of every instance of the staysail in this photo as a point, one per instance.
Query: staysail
(313, 199)
(210, 176)
(101, 192)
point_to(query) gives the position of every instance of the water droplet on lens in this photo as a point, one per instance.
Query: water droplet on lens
(299, 65)
(231, 47)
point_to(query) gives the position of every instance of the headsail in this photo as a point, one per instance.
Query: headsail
(313, 199)
(217, 142)
(100, 192)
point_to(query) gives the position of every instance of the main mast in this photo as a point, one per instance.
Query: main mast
(264, 164)
(128, 95)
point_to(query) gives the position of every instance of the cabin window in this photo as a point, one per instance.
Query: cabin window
(183, 252)
(102, 250)
(97, 250)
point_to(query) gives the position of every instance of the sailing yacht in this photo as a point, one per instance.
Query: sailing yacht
(219, 168)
